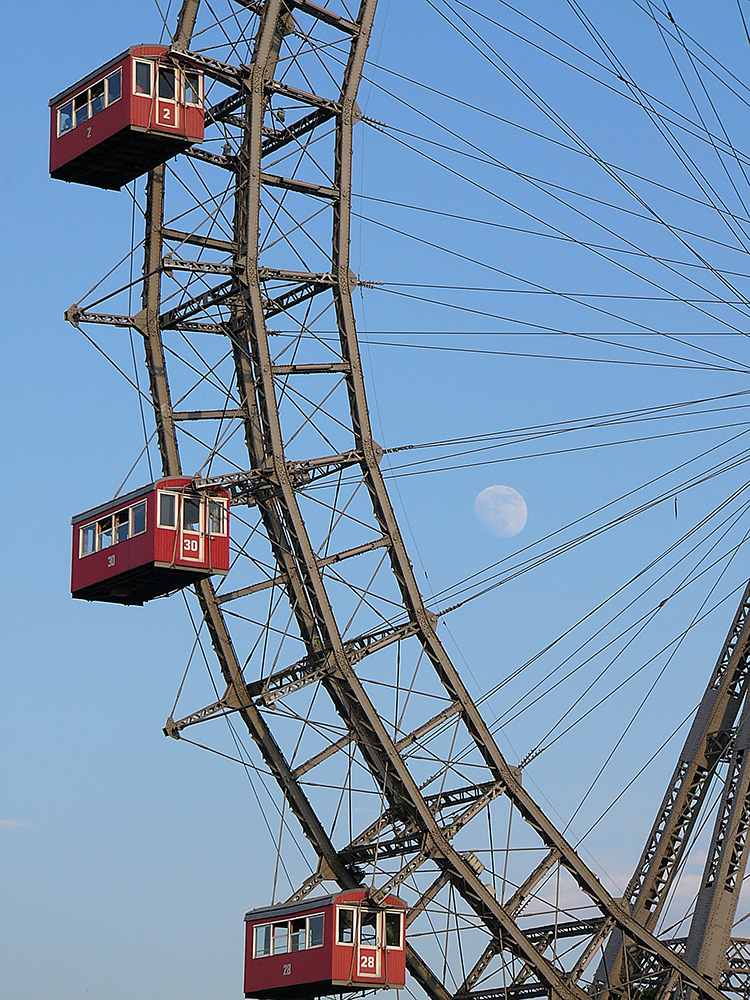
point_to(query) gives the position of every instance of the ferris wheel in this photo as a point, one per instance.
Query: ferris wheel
(419, 855)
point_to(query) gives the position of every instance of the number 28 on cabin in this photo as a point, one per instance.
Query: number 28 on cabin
(335, 944)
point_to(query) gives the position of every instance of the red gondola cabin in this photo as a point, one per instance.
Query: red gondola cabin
(139, 110)
(334, 944)
(149, 543)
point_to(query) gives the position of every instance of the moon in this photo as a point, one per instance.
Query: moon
(501, 510)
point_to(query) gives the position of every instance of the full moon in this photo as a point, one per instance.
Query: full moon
(501, 510)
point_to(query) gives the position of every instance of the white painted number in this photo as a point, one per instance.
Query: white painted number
(190, 544)
(110, 560)
(288, 969)
(167, 112)
(367, 961)
(88, 132)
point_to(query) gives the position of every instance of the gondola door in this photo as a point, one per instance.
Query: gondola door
(191, 542)
(167, 97)
(369, 944)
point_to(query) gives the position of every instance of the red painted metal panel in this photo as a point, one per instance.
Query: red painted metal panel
(109, 121)
(361, 966)
(127, 567)
(115, 559)
(331, 968)
(167, 546)
(129, 136)
(296, 973)
(194, 122)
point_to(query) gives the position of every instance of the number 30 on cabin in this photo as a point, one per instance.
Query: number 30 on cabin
(149, 543)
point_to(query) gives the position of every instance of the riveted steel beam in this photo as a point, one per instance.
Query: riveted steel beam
(77, 315)
(197, 304)
(326, 16)
(215, 159)
(300, 186)
(706, 743)
(295, 131)
(198, 240)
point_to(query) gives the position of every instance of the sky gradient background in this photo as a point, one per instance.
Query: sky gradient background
(127, 860)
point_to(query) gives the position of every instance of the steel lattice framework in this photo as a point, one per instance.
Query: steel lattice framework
(328, 623)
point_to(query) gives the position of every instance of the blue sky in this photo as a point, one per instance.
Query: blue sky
(128, 860)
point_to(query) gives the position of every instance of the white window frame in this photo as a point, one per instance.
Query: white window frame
(117, 72)
(133, 532)
(91, 525)
(400, 945)
(275, 923)
(128, 521)
(186, 102)
(96, 83)
(298, 920)
(378, 927)
(186, 498)
(265, 954)
(94, 525)
(355, 926)
(72, 117)
(177, 83)
(224, 518)
(312, 947)
(177, 512)
(150, 64)
(72, 101)
(100, 520)
(87, 94)
(278, 923)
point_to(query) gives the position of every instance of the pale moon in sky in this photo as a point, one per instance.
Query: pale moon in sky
(501, 510)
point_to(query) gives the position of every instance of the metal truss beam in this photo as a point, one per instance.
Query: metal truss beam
(198, 240)
(326, 16)
(707, 742)
(323, 561)
(215, 159)
(296, 131)
(282, 683)
(300, 187)
(718, 897)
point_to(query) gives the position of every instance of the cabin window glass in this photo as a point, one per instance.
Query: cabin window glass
(192, 88)
(122, 525)
(143, 78)
(114, 87)
(97, 98)
(191, 514)
(280, 938)
(104, 533)
(262, 940)
(139, 518)
(368, 928)
(167, 510)
(315, 931)
(393, 930)
(345, 926)
(216, 517)
(65, 119)
(298, 934)
(167, 85)
(81, 105)
(88, 539)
